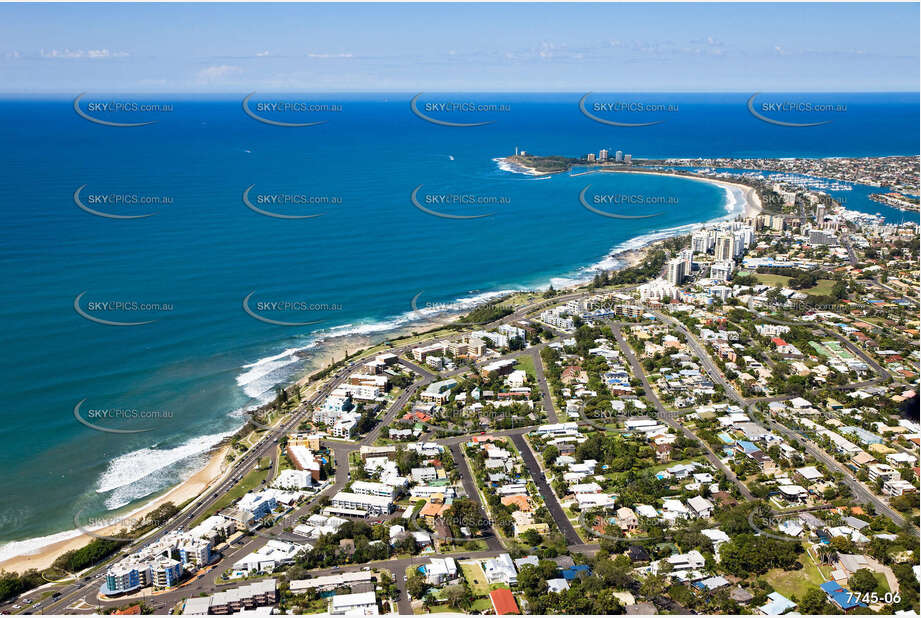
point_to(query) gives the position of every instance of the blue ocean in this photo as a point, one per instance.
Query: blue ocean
(195, 358)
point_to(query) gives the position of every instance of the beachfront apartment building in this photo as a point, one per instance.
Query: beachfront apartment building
(126, 576)
(331, 409)
(166, 572)
(259, 504)
(360, 392)
(195, 551)
(558, 317)
(141, 570)
(154, 565)
(434, 349)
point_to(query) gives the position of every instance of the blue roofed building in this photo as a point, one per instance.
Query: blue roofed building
(843, 598)
(576, 571)
(746, 447)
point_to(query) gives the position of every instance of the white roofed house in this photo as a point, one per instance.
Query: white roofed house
(356, 604)
(674, 509)
(700, 506)
(793, 493)
(810, 474)
(595, 500)
(500, 569)
(441, 571)
(586, 488)
(691, 560)
(517, 378)
(424, 475)
(718, 538)
(627, 519)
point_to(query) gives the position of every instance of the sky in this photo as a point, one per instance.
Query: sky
(218, 48)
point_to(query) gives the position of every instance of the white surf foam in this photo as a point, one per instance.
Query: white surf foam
(146, 463)
(28, 547)
(507, 166)
(257, 380)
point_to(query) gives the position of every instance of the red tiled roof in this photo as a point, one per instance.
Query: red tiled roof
(130, 611)
(503, 601)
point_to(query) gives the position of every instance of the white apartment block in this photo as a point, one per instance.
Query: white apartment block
(372, 505)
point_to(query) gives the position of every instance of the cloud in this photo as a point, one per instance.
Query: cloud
(329, 55)
(262, 54)
(216, 73)
(71, 54)
(12, 55)
(712, 41)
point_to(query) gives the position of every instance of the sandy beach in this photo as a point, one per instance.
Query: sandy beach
(43, 557)
(753, 206)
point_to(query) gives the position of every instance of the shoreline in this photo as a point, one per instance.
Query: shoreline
(753, 206)
(43, 556)
(335, 348)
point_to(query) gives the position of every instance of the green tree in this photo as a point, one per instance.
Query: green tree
(653, 586)
(863, 581)
(814, 602)
(416, 586)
